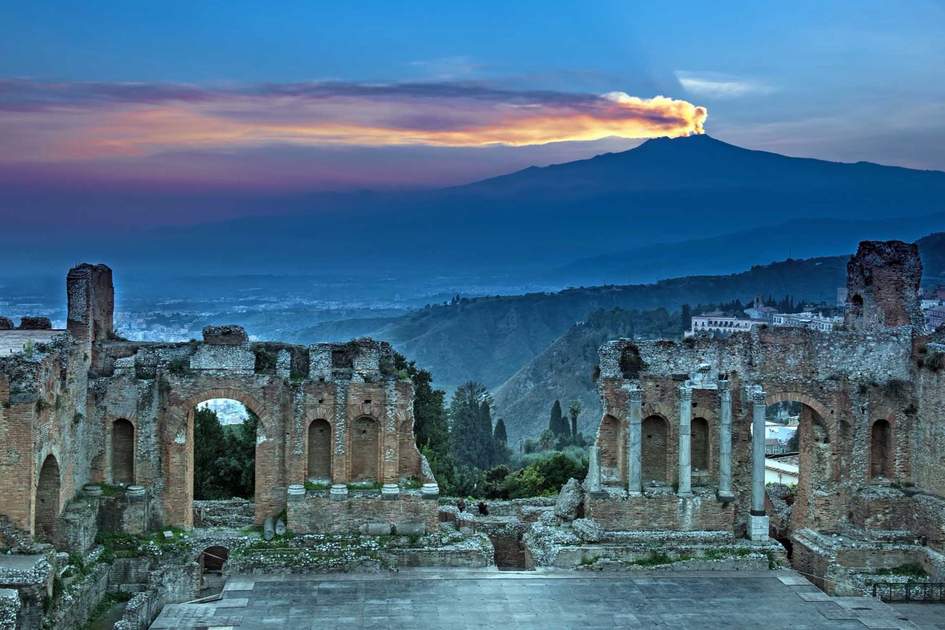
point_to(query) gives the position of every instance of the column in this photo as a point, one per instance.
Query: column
(758, 522)
(635, 442)
(685, 441)
(725, 442)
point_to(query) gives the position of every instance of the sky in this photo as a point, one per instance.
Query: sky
(109, 104)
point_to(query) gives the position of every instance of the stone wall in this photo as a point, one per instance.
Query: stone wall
(702, 512)
(410, 513)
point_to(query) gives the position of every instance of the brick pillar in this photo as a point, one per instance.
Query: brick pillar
(91, 298)
(685, 441)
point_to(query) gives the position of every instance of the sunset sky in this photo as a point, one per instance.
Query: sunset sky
(188, 98)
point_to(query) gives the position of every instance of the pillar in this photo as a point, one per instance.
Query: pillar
(593, 470)
(725, 442)
(685, 441)
(635, 442)
(758, 521)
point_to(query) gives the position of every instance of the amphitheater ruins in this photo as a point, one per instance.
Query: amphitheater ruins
(97, 458)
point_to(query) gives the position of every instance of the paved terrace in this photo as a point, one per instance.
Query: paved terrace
(427, 598)
(13, 341)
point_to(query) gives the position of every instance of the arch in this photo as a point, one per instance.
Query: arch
(777, 397)
(47, 499)
(319, 451)
(655, 444)
(123, 452)
(364, 450)
(179, 465)
(699, 444)
(881, 450)
(608, 439)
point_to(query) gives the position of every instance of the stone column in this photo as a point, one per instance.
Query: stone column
(593, 470)
(635, 442)
(725, 442)
(685, 441)
(758, 521)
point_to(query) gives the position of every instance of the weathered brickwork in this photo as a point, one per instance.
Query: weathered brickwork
(89, 407)
(872, 396)
(409, 514)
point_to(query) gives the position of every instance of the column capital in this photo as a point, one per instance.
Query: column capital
(724, 386)
(685, 392)
(635, 394)
(758, 396)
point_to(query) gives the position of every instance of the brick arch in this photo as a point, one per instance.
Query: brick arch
(788, 396)
(318, 448)
(820, 460)
(248, 400)
(179, 470)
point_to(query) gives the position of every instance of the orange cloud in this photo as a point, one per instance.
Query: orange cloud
(85, 121)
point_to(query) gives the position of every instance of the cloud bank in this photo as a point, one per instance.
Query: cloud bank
(69, 122)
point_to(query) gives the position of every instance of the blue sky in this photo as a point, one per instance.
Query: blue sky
(843, 80)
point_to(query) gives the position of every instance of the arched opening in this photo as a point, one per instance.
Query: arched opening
(47, 500)
(224, 450)
(319, 451)
(799, 467)
(700, 445)
(212, 561)
(609, 455)
(653, 465)
(881, 450)
(364, 450)
(123, 452)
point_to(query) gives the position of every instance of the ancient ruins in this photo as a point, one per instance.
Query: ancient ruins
(97, 458)
(681, 444)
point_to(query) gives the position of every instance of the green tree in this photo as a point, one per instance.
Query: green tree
(556, 423)
(574, 409)
(500, 436)
(470, 442)
(224, 457)
(209, 448)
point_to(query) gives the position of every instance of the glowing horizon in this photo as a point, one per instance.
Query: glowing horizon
(66, 122)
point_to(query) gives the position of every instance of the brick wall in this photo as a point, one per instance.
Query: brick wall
(666, 512)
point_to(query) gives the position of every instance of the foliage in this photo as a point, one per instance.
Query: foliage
(556, 423)
(574, 410)
(429, 413)
(224, 457)
(470, 440)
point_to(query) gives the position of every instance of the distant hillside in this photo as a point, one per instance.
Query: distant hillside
(489, 339)
(533, 220)
(564, 371)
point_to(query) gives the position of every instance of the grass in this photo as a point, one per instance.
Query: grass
(655, 559)
(106, 604)
(909, 569)
(312, 486)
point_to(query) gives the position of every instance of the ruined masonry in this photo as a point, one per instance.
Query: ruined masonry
(681, 444)
(81, 406)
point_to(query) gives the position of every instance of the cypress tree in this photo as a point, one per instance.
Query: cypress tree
(557, 424)
(499, 436)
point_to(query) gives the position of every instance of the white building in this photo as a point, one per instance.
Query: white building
(806, 319)
(719, 325)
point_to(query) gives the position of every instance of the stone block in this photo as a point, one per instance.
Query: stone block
(226, 335)
(35, 323)
(758, 528)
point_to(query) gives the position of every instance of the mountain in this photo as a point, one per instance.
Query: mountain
(489, 339)
(564, 371)
(524, 223)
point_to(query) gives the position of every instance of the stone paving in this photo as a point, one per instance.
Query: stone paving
(425, 598)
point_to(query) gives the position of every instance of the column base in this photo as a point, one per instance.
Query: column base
(390, 491)
(631, 493)
(725, 496)
(687, 494)
(338, 492)
(758, 528)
